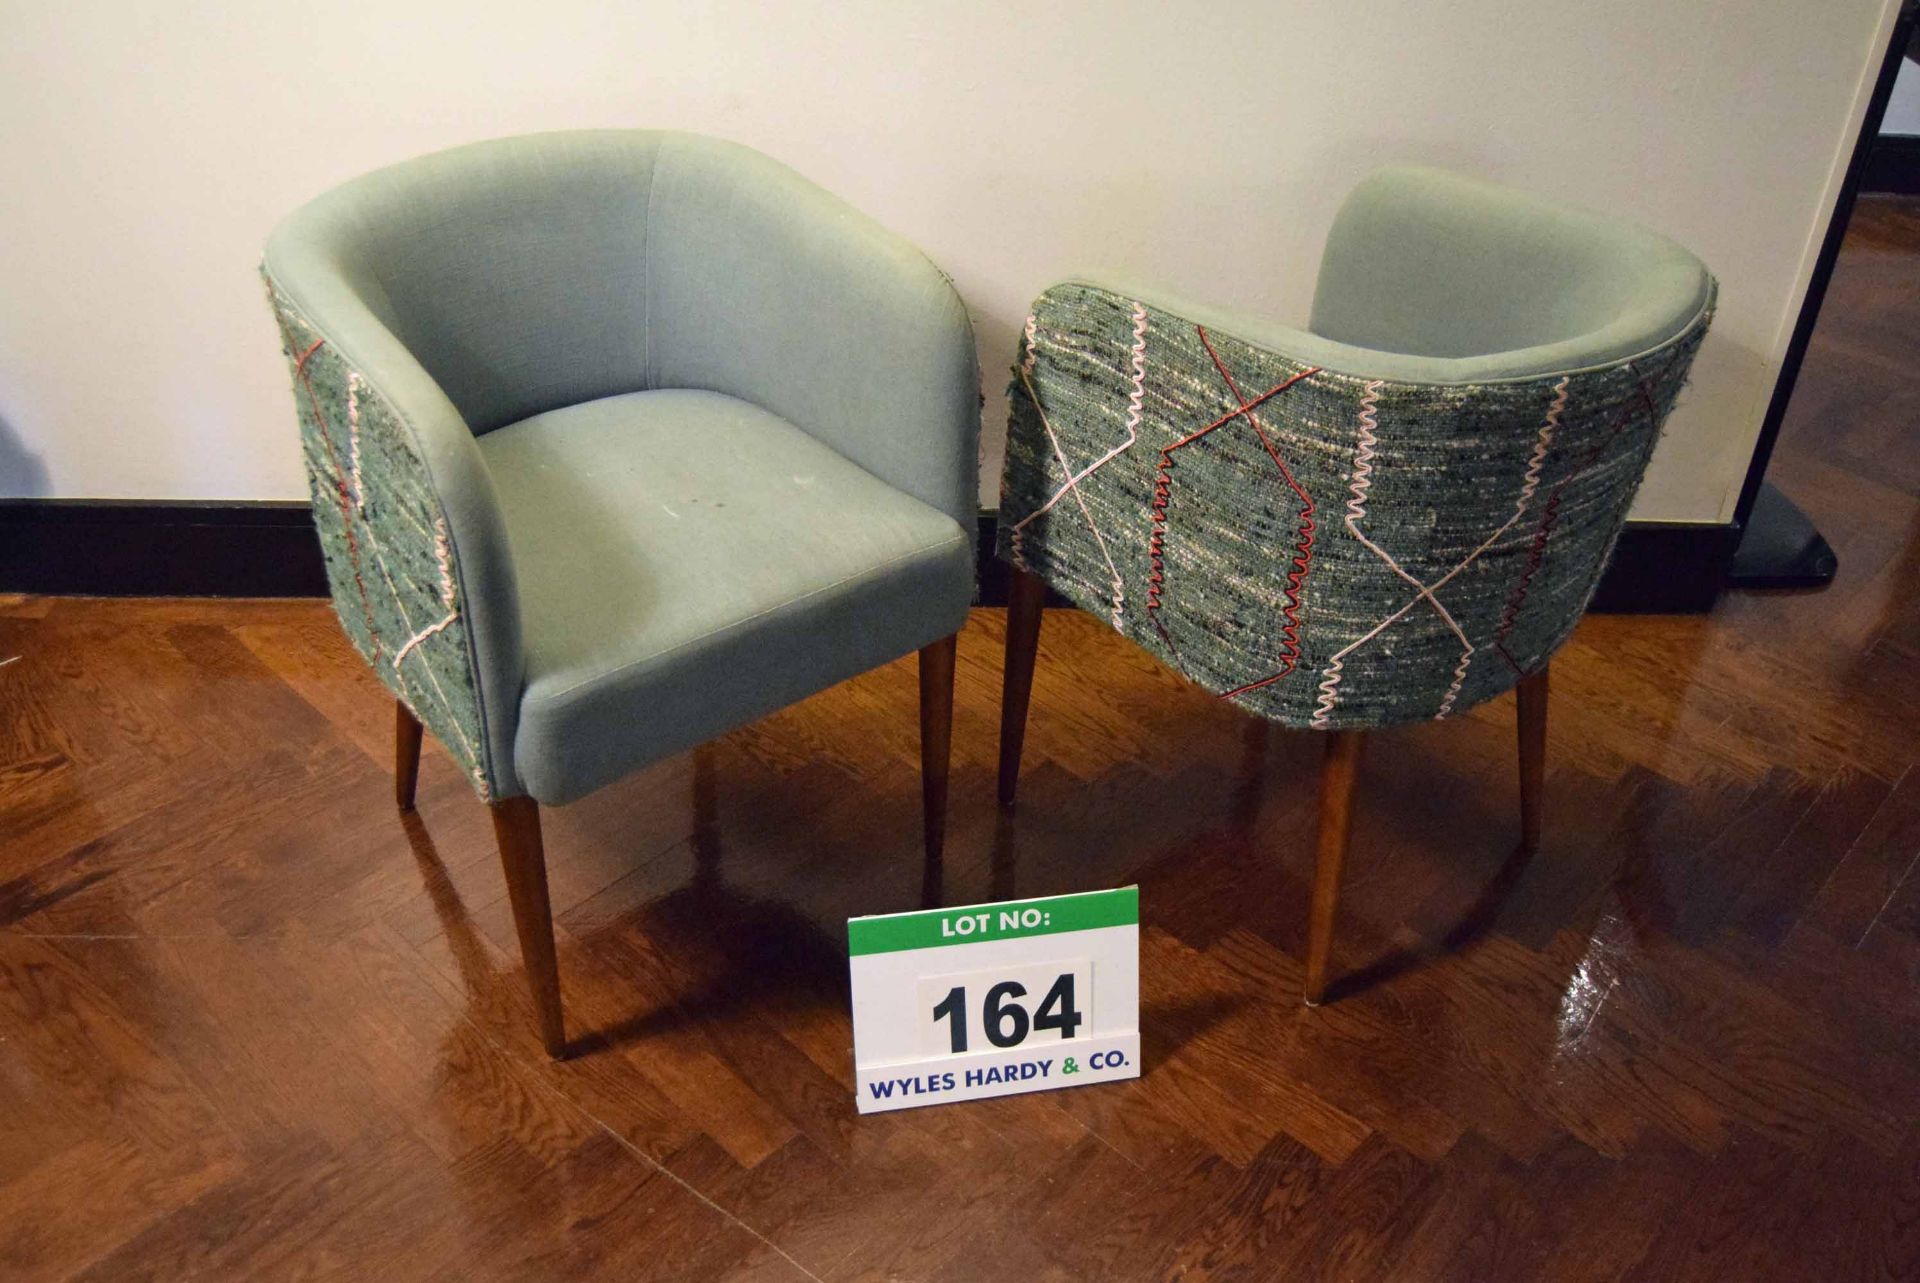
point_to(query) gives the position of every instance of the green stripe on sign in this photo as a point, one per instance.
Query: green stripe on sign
(1088, 911)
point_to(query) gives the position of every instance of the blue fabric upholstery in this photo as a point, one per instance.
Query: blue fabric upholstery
(1490, 282)
(460, 295)
(689, 562)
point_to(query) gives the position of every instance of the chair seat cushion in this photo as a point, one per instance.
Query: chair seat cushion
(687, 562)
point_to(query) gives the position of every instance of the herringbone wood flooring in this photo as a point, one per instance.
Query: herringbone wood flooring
(254, 1024)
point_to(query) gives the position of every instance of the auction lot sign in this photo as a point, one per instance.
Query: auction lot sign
(993, 999)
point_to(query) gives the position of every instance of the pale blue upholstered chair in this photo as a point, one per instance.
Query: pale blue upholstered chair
(1388, 517)
(618, 440)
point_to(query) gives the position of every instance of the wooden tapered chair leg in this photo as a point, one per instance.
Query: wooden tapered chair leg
(516, 823)
(406, 755)
(1533, 755)
(936, 739)
(1026, 602)
(1337, 776)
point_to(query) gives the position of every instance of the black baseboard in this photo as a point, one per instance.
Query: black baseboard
(1667, 568)
(142, 548)
(1892, 166)
(159, 549)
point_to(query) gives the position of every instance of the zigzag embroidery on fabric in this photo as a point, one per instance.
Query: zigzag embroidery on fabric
(1329, 684)
(1163, 489)
(1362, 480)
(1426, 591)
(353, 438)
(1157, 535)
(1356, 512)
(443, 554)
(1359, 484)
(1459, 680)
(414, 639)
(1530, 482)
(1026, 377)
(1549, 515)
(419, 637)
(1135, 400)
(1303, 548)
(351, 533)
(1296, 579)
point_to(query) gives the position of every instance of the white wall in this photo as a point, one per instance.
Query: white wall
(147, 148)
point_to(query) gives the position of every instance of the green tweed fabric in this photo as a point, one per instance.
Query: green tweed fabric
(390, 561)
(1348, 552)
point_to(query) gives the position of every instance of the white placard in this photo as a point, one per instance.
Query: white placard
(993, 999)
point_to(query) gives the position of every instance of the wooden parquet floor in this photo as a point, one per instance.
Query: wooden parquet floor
(256, 1025)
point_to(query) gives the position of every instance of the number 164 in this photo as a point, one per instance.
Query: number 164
(1003, 1018)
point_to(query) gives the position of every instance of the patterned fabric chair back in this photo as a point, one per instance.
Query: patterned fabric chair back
(1299, 527)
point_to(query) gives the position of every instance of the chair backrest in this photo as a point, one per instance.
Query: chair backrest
(514, 270)
(1336, 535)
(1428, 263)
(527, 274)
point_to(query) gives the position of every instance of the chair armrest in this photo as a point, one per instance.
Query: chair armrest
(765, 287)
(414, 541)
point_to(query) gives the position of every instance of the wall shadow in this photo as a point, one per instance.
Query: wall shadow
(23, 475)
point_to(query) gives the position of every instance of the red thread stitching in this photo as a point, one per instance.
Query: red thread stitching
(1163, 488)
(1303, 549)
